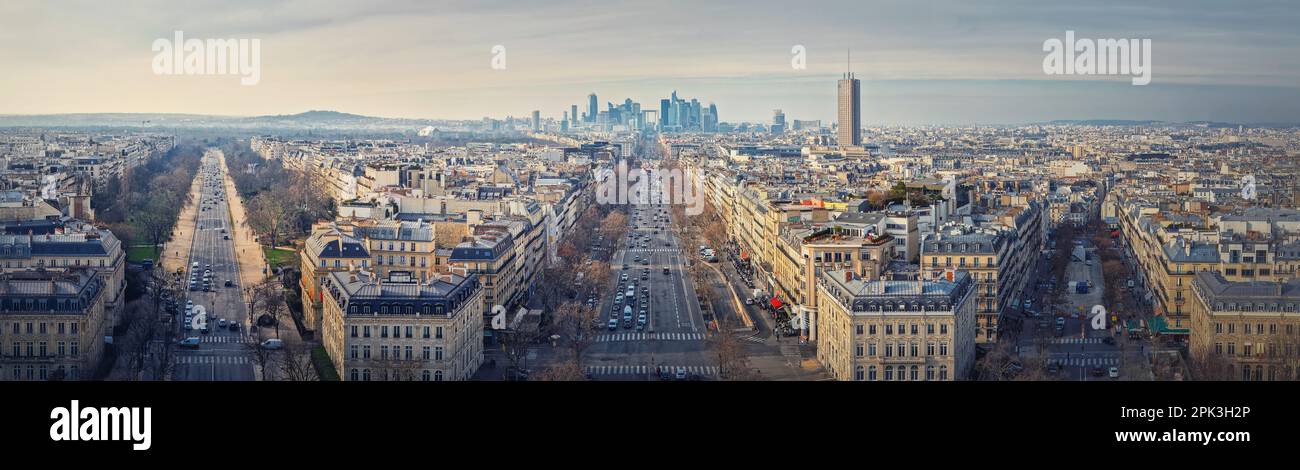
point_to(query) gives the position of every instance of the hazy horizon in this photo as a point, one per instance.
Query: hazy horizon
(943, 62)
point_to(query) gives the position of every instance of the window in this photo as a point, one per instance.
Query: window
(915, 347)
(915, 372)
(383, 330)
(427, 352)
(889, 350)
(438, 332)
(437, 353)
(943, 348)
(858, 330)
(424, 376)
(889, 373)
(437, 376)
(353, 351)
(871, 329)
(929, 372)
(871, 373)
(365, 330)
(859, 350)
(409, 355)
(409, 330)
(365, 352)
(859, 373)
(871, 350)
(929, 328)
(354, 375)
(426, 332)
(354, 327)
(72, 348)
(929, 349)
(943, 372)
(943, 329)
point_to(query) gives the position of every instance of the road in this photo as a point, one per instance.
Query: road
(674, 334)
(222, 353)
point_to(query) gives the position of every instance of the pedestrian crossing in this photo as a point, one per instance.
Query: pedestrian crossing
(605, 338)
(223, 339)
(1076, 340)
(754, 339)
(212, 360)
(647, 369)
(650, 250)
(1088, 361)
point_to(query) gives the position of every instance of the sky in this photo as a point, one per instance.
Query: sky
(920, 62)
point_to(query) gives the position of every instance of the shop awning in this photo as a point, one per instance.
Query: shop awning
(1160, 325)
(776, 302)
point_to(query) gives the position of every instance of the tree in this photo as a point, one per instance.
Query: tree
(573, 322)
(262, 356)
(296, 364)
(730, 355)
(268, 212)
(566, 371)
(515, 344)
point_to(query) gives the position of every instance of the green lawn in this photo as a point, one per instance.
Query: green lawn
(324, 368)
(138, 253)
(280, 257)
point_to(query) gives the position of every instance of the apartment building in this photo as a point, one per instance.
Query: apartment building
(886, 330)
(328, 249)
(52, 324)
(1253, 326)
(397, 328)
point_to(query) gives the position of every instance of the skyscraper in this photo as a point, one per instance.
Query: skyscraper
(850, 112)
(537, 120)
(573, 116)
(778, 122)
(591, 108)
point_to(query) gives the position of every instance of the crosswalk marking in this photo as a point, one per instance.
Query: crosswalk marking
(1076, 340)
(754, 339)
(212, 360)
(646, 369)
(223, 339)
(1088, 361)
(649, 337)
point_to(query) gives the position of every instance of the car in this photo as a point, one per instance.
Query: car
(627, 323)
(234, 326)
(680, 374)
(204, 330)
(749, 301)
(613, 324)
(1053, 368)
(225, 237)
(1060, 322)
(229, 283)
(221, 322)
(189, 343)
(272, 344)
(1113, 372)
(641, 319)
(666, 271)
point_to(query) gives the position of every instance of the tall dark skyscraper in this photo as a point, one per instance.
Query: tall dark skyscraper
(537, 120)
(573, 116)
(591, 108)
(664, 105)
(850, 112)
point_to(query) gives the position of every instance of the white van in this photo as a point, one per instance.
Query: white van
(273, 343)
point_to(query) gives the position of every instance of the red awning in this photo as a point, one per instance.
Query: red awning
(776, 302)
(744, 255)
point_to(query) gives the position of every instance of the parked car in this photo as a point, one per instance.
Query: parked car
(189, 343)
(273, 344)
(1114, 372)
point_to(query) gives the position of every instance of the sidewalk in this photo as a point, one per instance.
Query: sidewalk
(176, 251)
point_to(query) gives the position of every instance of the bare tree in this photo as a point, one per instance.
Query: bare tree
(296, 364)
(515, 344)
(262, 356)
(566, 371)
(729, 353)
(573, 322)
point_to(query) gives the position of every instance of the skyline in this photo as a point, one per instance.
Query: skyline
(943, 63)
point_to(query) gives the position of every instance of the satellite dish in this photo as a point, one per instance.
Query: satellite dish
(498, 317)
